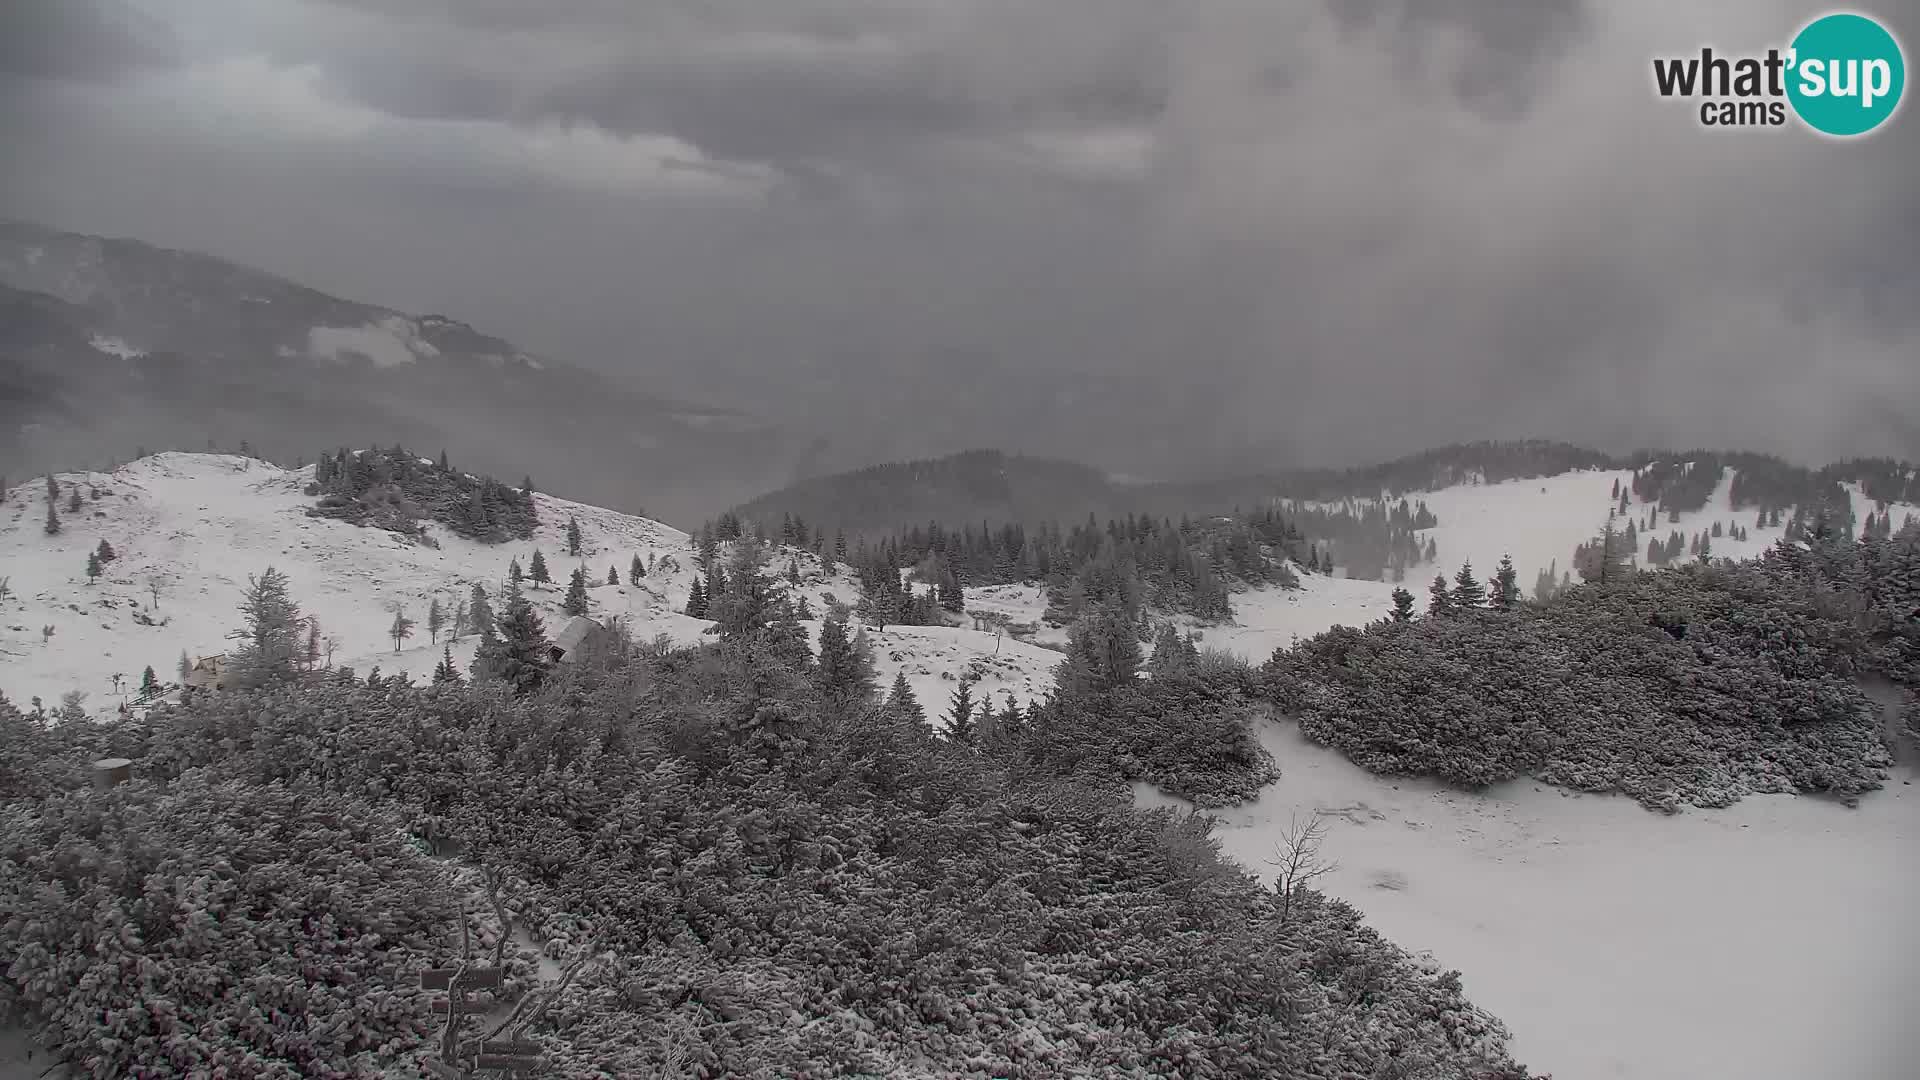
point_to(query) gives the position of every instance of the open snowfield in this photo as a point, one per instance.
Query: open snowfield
(199, 524)
(1772, 940)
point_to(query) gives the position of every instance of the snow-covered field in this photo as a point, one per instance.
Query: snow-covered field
(199, 524)
(1773, 940)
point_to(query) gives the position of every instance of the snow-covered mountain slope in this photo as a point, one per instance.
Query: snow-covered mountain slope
(1765, 941)
(1539, 522)
(113, 344)
(197, 525)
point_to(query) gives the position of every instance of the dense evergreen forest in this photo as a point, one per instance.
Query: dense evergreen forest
(396, 489)
(753, 863)
(1147, 566)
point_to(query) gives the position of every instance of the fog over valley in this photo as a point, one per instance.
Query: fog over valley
(1151, 239)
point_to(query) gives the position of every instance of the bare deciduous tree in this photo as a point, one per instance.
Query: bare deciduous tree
(1297, 854)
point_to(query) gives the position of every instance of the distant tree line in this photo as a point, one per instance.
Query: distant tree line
(1370, 539)
(1487, 462)
(1190, 567)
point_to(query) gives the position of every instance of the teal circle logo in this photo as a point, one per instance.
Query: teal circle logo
(1846, 76)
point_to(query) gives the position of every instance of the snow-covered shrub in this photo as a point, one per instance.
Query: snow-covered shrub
(216, 927)
(1684, 686)
(781, 889)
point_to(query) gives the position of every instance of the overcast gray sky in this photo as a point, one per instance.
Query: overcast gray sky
(1334, 230)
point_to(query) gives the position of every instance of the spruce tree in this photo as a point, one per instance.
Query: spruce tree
(1606, 558)
(696, 600)
(1468, 593)
(576, 601)
(74, 505)
(480, 613)
(401, 628)
(106, 552)
(901, 705)
(445, 672)
(518, 655)
(740, 602)
(53, 519)
(1402, 605)
(573, 537)
(613, 576)
(436, 620)
(962, 727)
(1103, 651)
(843, 676)
(270, 647)
(1506, 585)
(1439, 601)
(538, 571)
(709, 550)
(1173, 654)
(514, 574)
(94, 569)
(149, 682)
(636, 571)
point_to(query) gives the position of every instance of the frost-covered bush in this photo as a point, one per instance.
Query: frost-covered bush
(215, 928)
(1685, 686)
(780, 889)
(1189, 734)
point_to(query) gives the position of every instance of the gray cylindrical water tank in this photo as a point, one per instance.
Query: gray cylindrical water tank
(110, 771)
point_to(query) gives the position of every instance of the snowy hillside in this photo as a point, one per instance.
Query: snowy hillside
(196, 525)
(1538, 522)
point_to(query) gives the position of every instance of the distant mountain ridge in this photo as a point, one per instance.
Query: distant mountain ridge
(966, 488)
(117, 343)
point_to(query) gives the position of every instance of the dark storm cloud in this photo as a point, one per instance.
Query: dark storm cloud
(1516, 39)
(795, 84)
(1148, 233)
(93, 40)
